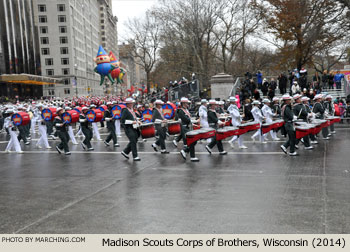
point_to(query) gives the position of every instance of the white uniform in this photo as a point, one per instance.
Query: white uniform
(96, 132)
(34, 120)
(117, 128)
(258, 117)
(8, 124)
(43, 134)
(236, 121)
(71, 135)
(203, 115)
(267, 112)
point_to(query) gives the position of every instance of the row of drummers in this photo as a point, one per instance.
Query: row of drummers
(298, 121)
(166, 119)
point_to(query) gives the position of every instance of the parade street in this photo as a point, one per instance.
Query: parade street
(258, 190)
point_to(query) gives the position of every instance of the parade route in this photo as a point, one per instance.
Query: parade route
(258, 190)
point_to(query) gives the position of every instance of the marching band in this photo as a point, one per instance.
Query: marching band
(292, 116)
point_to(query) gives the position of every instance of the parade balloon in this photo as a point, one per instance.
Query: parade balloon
(104, 67)
(117, 73)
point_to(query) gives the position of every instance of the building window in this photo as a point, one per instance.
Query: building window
(63, 29)
(50, 72)
(66, 81)
(103, 39)
(102, 15)
(65, 61)
(45, 51)
(65, 71)
(42, 19)
(66, 91)
(51, 92)
(61, 18)
(64, 50)
(61, 7)
(103, 33)
(63, 40)
(44, 29)
(102, 27)
(49, 62)
(44, 40)
(102, 21)
(42, 7)
(101, 8)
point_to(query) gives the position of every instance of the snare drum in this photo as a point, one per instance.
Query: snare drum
(193, 136)
(302, 131)
(147, 130)
(249, 126)
(277, 124)
(207, 133)
(266, 127)
(226, 132)
(174, 127)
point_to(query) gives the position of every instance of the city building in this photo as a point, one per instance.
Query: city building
(69, 35)
(20, 67)
(108, 27)
(136, 75)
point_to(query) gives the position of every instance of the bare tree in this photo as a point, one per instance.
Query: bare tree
(145, 42)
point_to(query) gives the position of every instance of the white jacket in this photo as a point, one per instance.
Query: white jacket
(203, 115)
(235, 115)
(258, 117)
(267, 112)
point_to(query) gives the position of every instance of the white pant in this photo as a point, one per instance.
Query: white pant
(71, 134)
(43, 136)
(272, 133)
(95, 129)
(80, 132)
(117, 127)
(33, 124)
(13, 142)
(239, 139)
(258, 133)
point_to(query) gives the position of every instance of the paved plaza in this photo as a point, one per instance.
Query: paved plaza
(258, 190)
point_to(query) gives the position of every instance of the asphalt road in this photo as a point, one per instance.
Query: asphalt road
(258, 190)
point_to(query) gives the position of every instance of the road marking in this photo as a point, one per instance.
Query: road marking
(148, 152)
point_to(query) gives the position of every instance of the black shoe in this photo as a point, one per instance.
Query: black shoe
(208, 149)
(91, 149)
(195, 159)
(155, 147)
(58, 150)
(183, 154)
(117, 145)
(164, 152)
(223, 153)
(84, 146)
(137, 159)
(125, 155)
(284, 149)
(105, 142)
(67, 153)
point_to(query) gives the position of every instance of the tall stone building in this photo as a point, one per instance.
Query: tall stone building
(70, 32)
(108, 27)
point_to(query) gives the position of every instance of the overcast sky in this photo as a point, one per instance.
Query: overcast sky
(125, 9)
